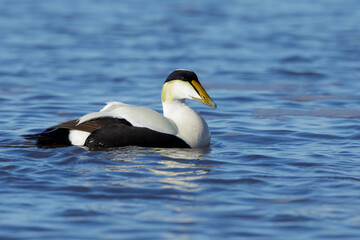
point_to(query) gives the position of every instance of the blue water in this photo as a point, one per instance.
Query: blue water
(284, 161)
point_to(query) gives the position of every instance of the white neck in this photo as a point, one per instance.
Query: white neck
(192, 128)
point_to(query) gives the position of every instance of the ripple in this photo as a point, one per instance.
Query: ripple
(328, 113)
(310, 74)
(232, 181)
(296, 59)
(80, 213)
(309, 98)
(290, 218)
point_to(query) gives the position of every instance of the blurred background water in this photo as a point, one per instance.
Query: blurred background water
(284, 158)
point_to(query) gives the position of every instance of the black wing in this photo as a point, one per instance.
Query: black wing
(58, 135)
(107, 132)
(119, 135)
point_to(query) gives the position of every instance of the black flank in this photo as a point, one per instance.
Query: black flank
(119, 135)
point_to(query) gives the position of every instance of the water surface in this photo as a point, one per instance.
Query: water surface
(284, 158)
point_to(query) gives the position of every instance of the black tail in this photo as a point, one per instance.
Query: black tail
(55, 137)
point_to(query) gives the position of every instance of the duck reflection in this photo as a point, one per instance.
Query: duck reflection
(179, 169)
(183, 153)
(181, 175)
(179, 182)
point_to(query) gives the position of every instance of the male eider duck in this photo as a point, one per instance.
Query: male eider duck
(119, 124)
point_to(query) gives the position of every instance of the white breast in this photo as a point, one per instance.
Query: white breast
(192, 128)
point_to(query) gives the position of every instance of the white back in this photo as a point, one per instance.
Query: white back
(137, 116)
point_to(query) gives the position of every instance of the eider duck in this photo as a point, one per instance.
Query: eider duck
(119, 124)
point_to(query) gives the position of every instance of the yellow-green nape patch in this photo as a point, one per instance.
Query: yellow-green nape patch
(175, 89)
(166, 92)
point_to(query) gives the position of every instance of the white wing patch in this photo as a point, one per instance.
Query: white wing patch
(78, 137)
(137, 116)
